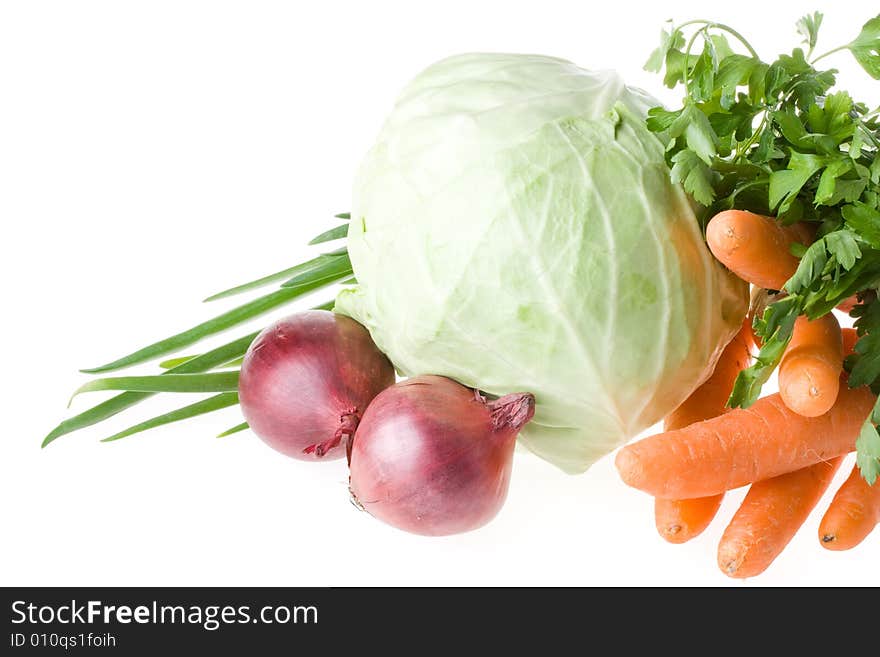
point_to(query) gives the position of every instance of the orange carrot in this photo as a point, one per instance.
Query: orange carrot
(849, 338)
(848, 304)
(756, 248)
(678, 521)
(770, 516)
(852, 514)
(681, 520)
(809, 373)
(710, 399)
(742, 446)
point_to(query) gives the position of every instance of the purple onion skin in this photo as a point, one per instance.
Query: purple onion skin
(433, 457)
(307, 379)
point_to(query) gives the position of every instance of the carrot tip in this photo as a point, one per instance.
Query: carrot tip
(829, 538)
(675, 534)
(731, 564)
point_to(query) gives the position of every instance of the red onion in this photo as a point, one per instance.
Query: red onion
(307, 379)
(433, 457)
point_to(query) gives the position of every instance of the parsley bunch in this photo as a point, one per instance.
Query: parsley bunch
(778, 139)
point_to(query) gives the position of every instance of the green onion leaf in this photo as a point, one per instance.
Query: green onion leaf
(333, 234)
(223, 400)
(235, 429)
(327, 305)
(174, 362)
(119, 403)
(211, 382)
(266, 280)
(306, 283)
(343, 215)
(332, 269)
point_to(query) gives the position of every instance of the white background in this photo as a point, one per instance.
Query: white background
(152, 153)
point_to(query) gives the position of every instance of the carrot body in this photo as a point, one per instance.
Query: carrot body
(852, 514)
(848, 304)
(681, 520)
(742, 446)
(755, 248)
(770, 516)
(809, 373)
(710, 399)
(849, 337)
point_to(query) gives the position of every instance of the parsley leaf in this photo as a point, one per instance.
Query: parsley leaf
(734, 71)
(864, 220)
(661, 120)
(868, 447)
(866, 47)
(843, 247)
(836, 186)
(808, 27)
(774, 327)
(867, 367)
(810, 267)
(698, 133)
(787, 183)
(702, 78)
(694, 175)
(669, 39)
(867, 357)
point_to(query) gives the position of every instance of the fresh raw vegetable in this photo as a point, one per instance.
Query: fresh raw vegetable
(809, 373)
(848, 304)
(523, 224)
(777, 139)
(433, 457)
(855, 509)
(852, 514)
(769, 517)
(107, 409)
(710, 399)
(742, 446)
(849, 338)
(756, 248)
(307, 277)
(679, 521)
(760, 299)
(306, 381)
(515, 228)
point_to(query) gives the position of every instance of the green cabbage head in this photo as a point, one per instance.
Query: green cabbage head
(515, 228)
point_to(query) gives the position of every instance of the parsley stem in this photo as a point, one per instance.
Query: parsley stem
(704, 31)
(721, 26)
(742, 188)
(830, 52)
(743, 149)
(685, 74)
